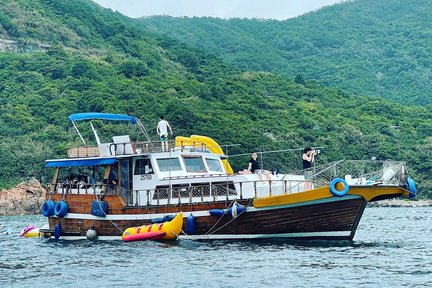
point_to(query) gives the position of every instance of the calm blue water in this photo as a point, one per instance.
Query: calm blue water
(392, 248)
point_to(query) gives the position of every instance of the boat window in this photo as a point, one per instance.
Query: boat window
(194, 164)
(169, 164)
(214, 165)
(143, 166)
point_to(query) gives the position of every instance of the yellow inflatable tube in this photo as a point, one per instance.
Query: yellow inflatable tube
(158, 231)
(211, 145)
(183, 141)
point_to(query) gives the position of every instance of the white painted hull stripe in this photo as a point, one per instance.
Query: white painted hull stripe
(263, 236)
(235, 236)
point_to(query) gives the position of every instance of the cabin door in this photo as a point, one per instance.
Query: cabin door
(125, 174)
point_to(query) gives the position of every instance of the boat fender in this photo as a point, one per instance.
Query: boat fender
(47, 208)
(57, 231)
(412, 188)
(99, 208)
(91, 234)
(190, 225)
(168, 218)
(61, 209)
(236, 210)
(336, 192)
(217, 212)
(156, 220)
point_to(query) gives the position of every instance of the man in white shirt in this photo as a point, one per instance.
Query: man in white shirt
(162, 130)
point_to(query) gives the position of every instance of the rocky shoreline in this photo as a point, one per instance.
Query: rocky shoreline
(27, 198)
(397, 202)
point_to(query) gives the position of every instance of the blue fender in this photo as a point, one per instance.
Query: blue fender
(168, 218)
(336, 192)
(190, 224)
(236, 210)
(57, 231)
(48, 208)
(61, 209)
(156, 220)
(217, 212)
(412, 188)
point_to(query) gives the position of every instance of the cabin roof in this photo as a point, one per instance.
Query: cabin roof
(80, 162)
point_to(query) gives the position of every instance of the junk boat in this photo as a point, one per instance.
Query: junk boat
(132, 184)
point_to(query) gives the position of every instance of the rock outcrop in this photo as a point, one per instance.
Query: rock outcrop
(25, 198)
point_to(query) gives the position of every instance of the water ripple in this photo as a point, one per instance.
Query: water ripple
(392, 248)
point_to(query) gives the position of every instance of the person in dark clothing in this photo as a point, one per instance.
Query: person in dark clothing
(254, 167)
(308, 158)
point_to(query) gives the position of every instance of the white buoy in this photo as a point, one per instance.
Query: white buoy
(91, 234)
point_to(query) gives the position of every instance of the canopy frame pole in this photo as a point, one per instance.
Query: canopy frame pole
(76, 128)
(141, 127)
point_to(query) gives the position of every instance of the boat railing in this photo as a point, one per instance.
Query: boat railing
(190, 194)
(127, 148)
(82, 188)
(358, 172)
(354, 172)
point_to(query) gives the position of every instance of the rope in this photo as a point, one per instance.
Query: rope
(208, 232)
(100, 207)
(232, 202)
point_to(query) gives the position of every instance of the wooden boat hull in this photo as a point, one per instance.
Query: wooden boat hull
(307, 215)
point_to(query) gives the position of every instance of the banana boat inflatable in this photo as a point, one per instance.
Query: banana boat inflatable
(30, 231)
(160, 231)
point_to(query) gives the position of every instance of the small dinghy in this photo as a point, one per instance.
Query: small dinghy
(159, 231)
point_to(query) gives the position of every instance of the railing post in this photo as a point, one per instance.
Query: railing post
(211, 193)
(270, 191)
(255, 190)
(241, 190)
(190, 194)
(179, 195)
(227, 192)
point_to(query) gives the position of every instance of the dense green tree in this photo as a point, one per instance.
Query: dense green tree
(73, 56)
(379, 48)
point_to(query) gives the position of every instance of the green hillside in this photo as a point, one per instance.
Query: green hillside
(367, 47)
(66, 56)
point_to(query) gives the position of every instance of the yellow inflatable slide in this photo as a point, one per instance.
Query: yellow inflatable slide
(211, 145)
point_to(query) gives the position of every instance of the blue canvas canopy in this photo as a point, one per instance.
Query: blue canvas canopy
(80, 162)
(102, 116)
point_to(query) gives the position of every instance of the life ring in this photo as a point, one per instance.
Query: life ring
(61, 209)
(336, 192)
(48, 208)
(412, 188)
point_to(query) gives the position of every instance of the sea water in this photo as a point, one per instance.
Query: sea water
(392, 248)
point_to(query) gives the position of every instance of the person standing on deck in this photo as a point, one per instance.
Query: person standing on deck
(308, 158)
(162, 130)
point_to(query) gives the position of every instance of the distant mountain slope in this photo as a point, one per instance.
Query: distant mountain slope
(371, 47)
(81, 62)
